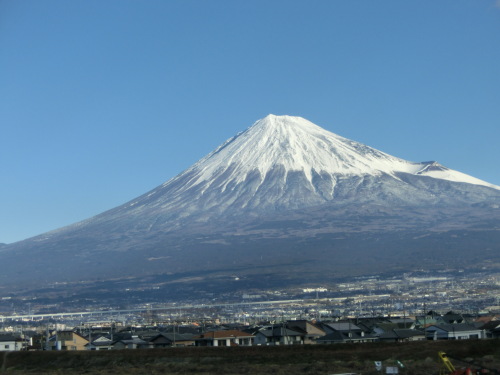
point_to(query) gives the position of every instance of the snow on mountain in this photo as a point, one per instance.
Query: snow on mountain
(284, 163)
(282, 193)
(297, 144)
(436, 170)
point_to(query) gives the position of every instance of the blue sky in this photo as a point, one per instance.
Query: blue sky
(101, 101)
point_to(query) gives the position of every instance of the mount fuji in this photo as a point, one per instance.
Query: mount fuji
(284, 202)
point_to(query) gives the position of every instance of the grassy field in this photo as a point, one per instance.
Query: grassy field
(419, 358)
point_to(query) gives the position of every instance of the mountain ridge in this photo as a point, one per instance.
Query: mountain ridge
(284, 191)
(267, 185)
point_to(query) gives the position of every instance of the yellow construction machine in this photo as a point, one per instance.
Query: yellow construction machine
(449, 369)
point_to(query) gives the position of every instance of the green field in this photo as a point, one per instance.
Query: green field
(418, 358)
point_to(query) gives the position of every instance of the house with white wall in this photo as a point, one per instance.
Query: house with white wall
(224, 338)
(462, 331)
(9, 343)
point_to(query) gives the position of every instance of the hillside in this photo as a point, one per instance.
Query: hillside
(280, 203)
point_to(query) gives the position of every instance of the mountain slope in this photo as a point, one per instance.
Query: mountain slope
(284, 190)
(282, 163)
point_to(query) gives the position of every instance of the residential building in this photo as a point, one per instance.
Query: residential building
(279, 335)
(67, 340)
(9, 343)
(164, 340)
(100, 343)
(311, 332)
(402, 335)
(224, 338)
(462, 331)
(344, 332)
(133, 343)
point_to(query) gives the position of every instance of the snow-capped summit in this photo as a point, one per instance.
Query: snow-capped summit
(297, 145)
(282, 195)
(283, 163)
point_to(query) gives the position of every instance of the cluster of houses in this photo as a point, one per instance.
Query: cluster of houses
(433, 326)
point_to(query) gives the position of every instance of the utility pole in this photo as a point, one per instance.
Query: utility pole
(174, 335)
(282, 329)
(47, 338)
(112, 323)
(425, 322)
(90, 335)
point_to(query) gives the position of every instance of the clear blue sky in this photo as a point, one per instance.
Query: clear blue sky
(101, 101)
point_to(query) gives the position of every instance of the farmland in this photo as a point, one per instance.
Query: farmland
(418, 358)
